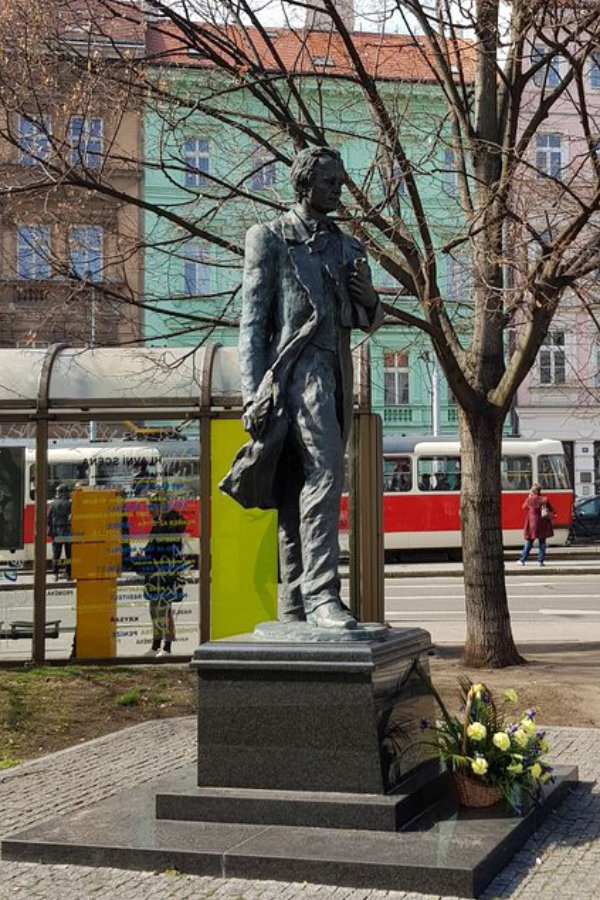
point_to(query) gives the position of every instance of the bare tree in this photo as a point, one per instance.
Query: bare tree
(475, 80)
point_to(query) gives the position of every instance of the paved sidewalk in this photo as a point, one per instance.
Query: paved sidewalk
(562, 860)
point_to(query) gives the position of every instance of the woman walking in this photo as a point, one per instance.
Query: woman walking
(538, 524)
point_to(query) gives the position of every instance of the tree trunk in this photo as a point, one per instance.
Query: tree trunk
(489, 640)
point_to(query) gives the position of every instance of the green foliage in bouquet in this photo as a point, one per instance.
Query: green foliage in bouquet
(484, 744)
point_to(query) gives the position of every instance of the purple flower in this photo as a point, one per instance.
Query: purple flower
(540, 735)
(512, 728)
(423, 724)
(530, 713)
(486, 697)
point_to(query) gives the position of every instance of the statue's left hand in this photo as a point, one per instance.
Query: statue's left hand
(359, 284)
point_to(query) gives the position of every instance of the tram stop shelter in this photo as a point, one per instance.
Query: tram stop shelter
(62, 385)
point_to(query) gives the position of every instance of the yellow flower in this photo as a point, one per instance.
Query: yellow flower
(501, 740)
(536, 770)
(521, 738)
(511, 696)
(479, 765)
(515, 768)
(544, 746)
(545, 778)
(528, 725)
(476, 731)
(477, 690)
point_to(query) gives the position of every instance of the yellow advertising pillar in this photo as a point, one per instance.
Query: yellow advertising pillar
(96, 528)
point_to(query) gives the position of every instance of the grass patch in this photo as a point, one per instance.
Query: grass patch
(8, 762)
(46, 708)
(158, 699)
(38, 673)
(129, 698)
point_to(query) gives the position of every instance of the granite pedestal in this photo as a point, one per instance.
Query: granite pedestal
(334, 717)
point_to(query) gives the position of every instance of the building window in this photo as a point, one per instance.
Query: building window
(85, 141)
(450, 179)
(395, 379)
(34, 140)
(595, 71)
(263, 169)
(549, 156)
(552, 359)
(458, 278)
(197, 162)
(33, 252)
(392, 181)
(548, 75)
(196, 272)
(87, 252)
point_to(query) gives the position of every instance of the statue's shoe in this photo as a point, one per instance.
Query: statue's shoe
(292, 617)
(331, 615)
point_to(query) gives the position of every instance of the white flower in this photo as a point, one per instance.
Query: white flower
(521, 738)
(476, 731)
(501, 740)
(479, 765)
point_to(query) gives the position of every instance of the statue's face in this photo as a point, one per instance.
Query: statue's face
(326, 188)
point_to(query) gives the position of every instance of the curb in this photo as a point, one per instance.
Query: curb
(531, 571)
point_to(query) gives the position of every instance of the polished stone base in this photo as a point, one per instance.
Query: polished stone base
(334, 717)
(304, 632)
(445, 850)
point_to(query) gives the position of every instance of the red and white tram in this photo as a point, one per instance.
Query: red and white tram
(422, 490)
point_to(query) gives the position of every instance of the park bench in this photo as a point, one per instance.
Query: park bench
(19, 629)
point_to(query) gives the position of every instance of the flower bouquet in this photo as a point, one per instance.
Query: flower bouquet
(489, 756)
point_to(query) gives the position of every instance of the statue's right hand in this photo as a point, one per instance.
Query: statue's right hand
(249, 420)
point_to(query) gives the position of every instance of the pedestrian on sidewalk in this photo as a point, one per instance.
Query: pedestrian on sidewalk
(539, 513)
(59, 530)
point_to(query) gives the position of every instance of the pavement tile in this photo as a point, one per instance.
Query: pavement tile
(561, 861)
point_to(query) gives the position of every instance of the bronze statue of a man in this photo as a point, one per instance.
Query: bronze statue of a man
(306, 285)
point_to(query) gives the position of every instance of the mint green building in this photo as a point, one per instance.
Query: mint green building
(192, 287)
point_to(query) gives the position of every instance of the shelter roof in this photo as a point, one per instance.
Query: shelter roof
(124, 380)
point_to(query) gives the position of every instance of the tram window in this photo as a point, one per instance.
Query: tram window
(516, 473)
(552, 473)
(397, 474)
(65, 473)
(438, 473)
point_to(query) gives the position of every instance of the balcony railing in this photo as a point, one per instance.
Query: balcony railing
(417, 416)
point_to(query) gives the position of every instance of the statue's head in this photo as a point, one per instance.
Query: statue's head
(318, 174)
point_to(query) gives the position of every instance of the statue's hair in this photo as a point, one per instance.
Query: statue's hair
(303, 167)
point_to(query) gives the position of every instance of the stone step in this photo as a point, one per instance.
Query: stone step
(183, 800)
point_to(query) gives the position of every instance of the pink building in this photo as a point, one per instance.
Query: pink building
(561, 396)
